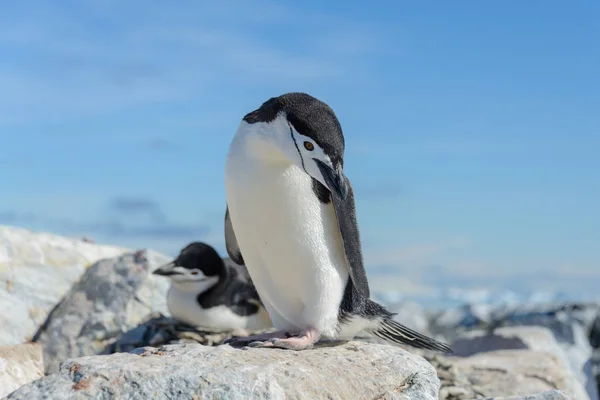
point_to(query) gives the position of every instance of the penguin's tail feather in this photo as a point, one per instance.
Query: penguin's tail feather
(393, 331)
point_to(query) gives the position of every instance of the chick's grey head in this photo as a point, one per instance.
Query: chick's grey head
(299, 129)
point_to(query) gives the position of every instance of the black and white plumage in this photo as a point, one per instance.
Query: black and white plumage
(212, 292)
(291, 219)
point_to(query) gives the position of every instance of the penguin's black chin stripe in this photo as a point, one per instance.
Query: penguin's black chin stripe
(297, 148)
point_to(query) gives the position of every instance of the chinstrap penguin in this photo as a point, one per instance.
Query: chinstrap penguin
(212, 292)
(290, 218)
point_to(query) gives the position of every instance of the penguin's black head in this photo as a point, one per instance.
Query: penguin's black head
(196, 262)
(304, 131)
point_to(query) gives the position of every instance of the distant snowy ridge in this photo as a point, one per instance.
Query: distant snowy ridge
(453, 297)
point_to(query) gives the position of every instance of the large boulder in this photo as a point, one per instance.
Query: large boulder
(113, 296)
(353, 370)
(36, 270)
(19, 364)
(576, 352)
(503, 373)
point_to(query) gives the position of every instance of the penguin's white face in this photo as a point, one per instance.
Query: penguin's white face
(279, 141)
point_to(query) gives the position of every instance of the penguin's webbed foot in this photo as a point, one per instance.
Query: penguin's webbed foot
(304, 341)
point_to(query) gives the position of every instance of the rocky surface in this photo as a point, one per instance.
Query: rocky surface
(573, 325)
(557, 317)
(19, 365)
(84, 299)
(159, 330)
(506, 338)
(594, 331)
(113, 296)
(548, 395)
(575, 351)
(353, 370)
(594, 336)
(503, 373)
(36, 270)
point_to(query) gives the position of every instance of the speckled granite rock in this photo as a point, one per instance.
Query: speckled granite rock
(113, 296)
(19, 364)
(36, 270)
(353, 370)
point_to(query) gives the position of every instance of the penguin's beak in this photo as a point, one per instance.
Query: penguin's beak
(168, 269)
(334, 178)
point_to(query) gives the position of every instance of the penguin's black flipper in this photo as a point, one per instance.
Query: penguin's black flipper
(231, 243)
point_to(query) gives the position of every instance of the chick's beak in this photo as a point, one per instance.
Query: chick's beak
(166, 269)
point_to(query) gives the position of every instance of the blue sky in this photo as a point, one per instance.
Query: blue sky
(472, 128)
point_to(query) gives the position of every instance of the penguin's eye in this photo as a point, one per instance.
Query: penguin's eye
(309, 146)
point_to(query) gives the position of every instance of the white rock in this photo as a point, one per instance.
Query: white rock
(36, 270)
(19, 365)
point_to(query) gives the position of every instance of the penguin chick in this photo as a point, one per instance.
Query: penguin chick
(212, 292)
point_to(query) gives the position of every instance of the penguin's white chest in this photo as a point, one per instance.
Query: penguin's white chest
(289, 240)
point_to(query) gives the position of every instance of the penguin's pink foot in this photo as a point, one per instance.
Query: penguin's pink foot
(304, 341)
